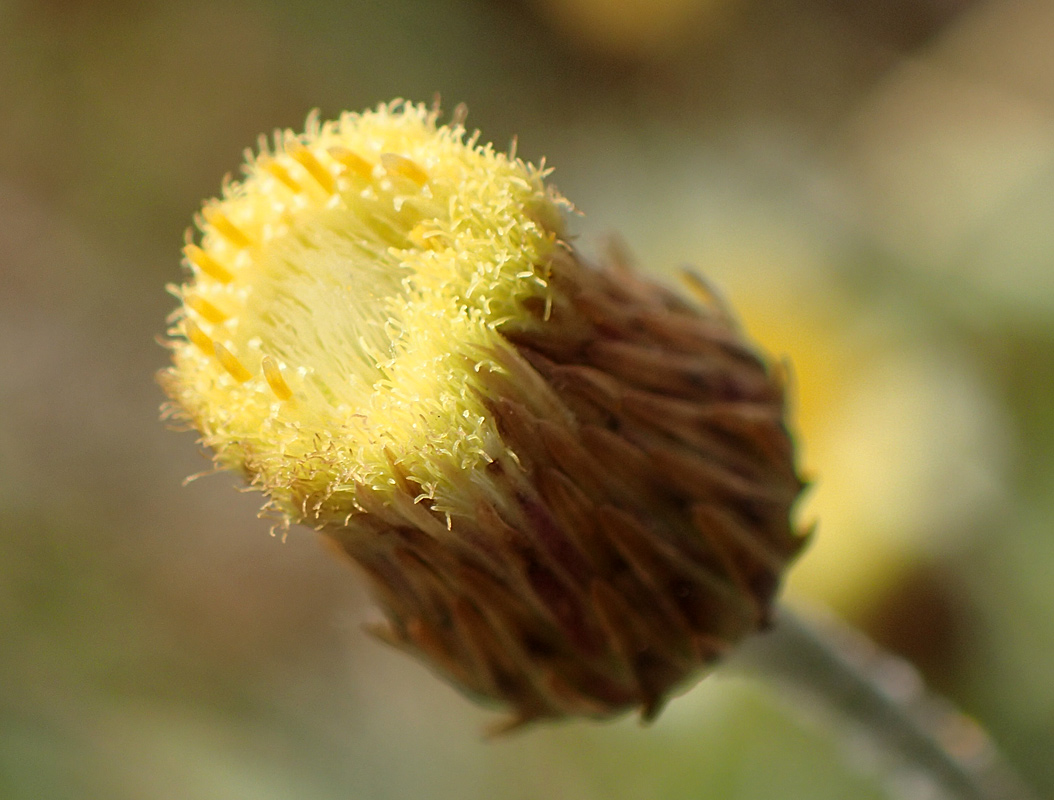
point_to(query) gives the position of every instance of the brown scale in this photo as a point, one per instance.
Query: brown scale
(641, 529)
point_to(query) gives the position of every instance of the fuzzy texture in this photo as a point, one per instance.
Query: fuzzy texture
(570, 489)
(365, 260)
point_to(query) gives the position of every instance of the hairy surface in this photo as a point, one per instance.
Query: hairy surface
(342, 300)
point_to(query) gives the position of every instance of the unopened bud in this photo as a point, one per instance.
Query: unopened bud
(570, 488)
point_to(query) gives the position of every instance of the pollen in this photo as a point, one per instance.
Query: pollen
(395, 164)
(275, 380)
(315, 168)
(230, 363)
(196, 335)
(224, 227)
(207, 264)
(353, 161)
(206, 309)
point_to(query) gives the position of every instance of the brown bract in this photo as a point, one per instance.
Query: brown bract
(636, 527)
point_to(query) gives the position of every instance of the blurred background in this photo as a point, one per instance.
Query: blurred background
(871, 184)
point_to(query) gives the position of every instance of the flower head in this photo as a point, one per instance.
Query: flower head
(569, 487)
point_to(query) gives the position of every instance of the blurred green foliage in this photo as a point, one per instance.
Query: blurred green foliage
(873, 185)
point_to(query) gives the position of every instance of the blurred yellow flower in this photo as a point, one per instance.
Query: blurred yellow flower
(901, 441)
(633, 28)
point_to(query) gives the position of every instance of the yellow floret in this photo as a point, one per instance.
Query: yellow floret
(364, 268)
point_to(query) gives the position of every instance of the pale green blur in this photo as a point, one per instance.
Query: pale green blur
(871, 184)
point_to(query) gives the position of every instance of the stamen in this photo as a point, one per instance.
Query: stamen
(205, 308)
(231, 364)
(283, 175)
(275, 380)
(353, 161)
(424, 238)
(218, 220)
(207, 264)
(395, 164)
(315, 168)
(198, 337)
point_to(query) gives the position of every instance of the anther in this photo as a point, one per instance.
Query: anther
(353, 161)
(205, 308)
(283, 175)
(314, 167)
(275, 380)
(207, 264)
(235, 367)
(218, 220)
(395, 164)
(198, 337)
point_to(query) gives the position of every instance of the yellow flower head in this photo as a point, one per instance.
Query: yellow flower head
(343, 301)
(568, 487)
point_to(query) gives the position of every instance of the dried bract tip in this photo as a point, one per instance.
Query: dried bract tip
(570, 488)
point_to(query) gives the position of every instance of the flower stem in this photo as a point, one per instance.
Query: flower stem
(925, 747)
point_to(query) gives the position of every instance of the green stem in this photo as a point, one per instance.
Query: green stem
(882, 698)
